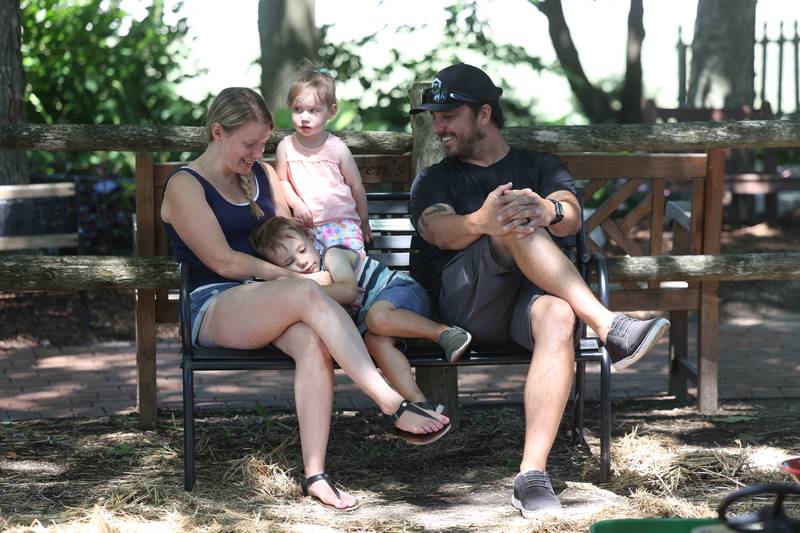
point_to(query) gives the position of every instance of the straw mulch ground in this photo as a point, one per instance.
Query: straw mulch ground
(105, 475)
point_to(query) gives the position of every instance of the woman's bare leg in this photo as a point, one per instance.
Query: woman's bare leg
(248, 317)
(313, 397)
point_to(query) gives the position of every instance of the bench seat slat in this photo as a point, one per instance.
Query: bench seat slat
(390, 242)
(419, 353)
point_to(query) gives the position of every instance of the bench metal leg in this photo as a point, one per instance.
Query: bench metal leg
(605, 417)
(188, 426)
(577, 410)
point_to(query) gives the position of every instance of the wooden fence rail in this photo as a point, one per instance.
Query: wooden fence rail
(686, 136)
(36, 272)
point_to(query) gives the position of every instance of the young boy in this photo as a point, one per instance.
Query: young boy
(390, 304)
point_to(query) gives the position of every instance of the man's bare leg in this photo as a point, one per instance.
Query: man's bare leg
(627, 339)
(546, 266)
(546, 392)
(549, 380)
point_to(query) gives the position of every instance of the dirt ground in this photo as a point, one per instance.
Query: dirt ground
(103, 474)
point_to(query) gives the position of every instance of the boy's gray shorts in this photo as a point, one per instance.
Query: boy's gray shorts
(490, 301)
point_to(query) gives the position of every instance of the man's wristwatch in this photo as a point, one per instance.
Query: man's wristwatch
(559, 212)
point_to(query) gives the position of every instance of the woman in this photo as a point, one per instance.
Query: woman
(208, 210)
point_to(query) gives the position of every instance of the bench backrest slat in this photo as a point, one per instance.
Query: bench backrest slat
(641, 166)
(390, 242)
(38, 216)
(37, 190)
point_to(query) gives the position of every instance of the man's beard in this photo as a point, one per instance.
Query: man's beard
(466, 148)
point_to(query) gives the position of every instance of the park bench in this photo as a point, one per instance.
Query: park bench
(42, 217)
(394, 245)
(38, 216)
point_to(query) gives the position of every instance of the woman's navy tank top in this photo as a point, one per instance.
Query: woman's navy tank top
(236, 221)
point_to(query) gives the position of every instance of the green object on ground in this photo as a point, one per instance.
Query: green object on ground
(651, 525)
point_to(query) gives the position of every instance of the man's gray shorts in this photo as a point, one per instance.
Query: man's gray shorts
(490, 301)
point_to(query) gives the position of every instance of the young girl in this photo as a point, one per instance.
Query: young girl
(320, 178)
(392, 304)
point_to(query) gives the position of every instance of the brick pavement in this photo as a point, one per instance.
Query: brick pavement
(757, 360)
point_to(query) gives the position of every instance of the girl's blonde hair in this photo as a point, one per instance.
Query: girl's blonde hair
(232, 108)
(318, 79)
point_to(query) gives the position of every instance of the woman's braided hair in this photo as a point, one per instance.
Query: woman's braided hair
(232, 108)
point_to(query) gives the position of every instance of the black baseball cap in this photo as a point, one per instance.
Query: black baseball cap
(457, 85)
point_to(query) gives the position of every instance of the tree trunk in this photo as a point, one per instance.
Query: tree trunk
(594, 102)
(288, 35)
(631, 97)
(13, 169)
(722, 69)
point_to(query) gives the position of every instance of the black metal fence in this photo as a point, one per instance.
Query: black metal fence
(771, 54)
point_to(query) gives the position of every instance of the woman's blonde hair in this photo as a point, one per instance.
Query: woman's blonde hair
(232, 108)
(317, 78)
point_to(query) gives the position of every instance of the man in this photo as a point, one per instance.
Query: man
(491, 214)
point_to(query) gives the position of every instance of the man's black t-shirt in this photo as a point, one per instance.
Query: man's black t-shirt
(465, 186)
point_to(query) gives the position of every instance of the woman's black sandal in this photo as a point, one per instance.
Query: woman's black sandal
(417, 439)
(430, 406)
(305, 482)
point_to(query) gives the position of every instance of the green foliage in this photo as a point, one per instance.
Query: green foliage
(90, 62)
(465, 34)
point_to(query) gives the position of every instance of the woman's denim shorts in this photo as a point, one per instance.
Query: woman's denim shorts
(201, 298)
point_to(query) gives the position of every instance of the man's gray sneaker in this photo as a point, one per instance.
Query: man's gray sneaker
(629, 339)
(454, 341)
(533, 492)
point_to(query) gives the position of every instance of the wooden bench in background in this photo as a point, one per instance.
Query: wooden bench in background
(38, 216)
(743, 180)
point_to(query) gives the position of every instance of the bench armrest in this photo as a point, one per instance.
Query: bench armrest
(596, 264)
(185, 314)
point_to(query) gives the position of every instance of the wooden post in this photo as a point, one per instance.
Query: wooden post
(439, 384)
(145, 298)
(708, 319)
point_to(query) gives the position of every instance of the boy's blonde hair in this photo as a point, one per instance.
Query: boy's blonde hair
(317, 78)
(232, 108)
(270, 234)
